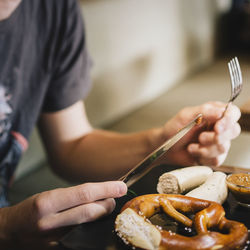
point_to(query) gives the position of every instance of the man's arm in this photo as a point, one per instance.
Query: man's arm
(76, 151)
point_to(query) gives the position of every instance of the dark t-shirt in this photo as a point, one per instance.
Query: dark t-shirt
(44, 67)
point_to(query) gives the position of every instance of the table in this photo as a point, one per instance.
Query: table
(100, 234)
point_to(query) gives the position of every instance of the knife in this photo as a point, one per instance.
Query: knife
(145, 165)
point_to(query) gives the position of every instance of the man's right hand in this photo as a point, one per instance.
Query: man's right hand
(34, 218)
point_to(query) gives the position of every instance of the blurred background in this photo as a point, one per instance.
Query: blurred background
(150, 59)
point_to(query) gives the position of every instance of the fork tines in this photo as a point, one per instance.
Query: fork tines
(236, 78)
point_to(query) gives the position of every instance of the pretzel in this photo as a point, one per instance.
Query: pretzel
(133, 226)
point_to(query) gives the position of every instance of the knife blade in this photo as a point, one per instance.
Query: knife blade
(145, 165)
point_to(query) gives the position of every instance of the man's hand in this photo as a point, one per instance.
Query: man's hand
(49, 211)
(209, 143)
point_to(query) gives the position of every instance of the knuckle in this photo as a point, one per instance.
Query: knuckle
(87, 214)
(182, 115)
(203, 152)
(206, 137)
(84, 193)
(40, 204)
(205, 107)
(202, 137)
(223, 148)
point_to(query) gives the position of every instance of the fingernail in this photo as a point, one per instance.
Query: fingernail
(122, 188)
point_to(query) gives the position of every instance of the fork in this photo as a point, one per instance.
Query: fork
(236, 80)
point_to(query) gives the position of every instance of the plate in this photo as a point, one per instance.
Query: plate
(100, 234)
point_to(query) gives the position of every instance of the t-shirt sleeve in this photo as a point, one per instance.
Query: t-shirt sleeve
(70, 74)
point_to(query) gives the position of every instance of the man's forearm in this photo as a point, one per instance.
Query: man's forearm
(103, 155)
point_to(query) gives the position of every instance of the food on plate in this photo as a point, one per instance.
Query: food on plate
(213, 189)
(201, 180)
(181, 180)
(239, 185)
(134, 227)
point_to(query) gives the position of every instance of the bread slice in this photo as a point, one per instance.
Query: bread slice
(136, 230)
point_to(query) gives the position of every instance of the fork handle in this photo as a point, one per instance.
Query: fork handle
(226, 108)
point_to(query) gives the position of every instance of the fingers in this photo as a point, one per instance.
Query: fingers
(211, 151)
(216, 161)
(211, 111)
(74, 205)
(77, 215)
(50, 210)
(214, 154)
(230, 118)
(213, 146)
(214, 111)
(210, 137)
(65, 198)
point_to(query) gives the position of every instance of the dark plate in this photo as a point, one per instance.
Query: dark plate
(100, 234)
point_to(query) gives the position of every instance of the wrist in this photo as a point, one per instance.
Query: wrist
(5, 225)
(156, 138)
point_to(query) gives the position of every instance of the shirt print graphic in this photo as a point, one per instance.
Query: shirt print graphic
(8, 147)
(12, 145)
(5, 111)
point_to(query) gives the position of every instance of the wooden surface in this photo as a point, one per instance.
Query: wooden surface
(231, 169)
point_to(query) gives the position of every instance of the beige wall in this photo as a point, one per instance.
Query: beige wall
(143, 47)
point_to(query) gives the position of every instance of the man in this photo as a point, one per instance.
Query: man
(44, 75)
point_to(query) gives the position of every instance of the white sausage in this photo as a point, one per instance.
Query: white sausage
(183, 179)
(214, 189)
